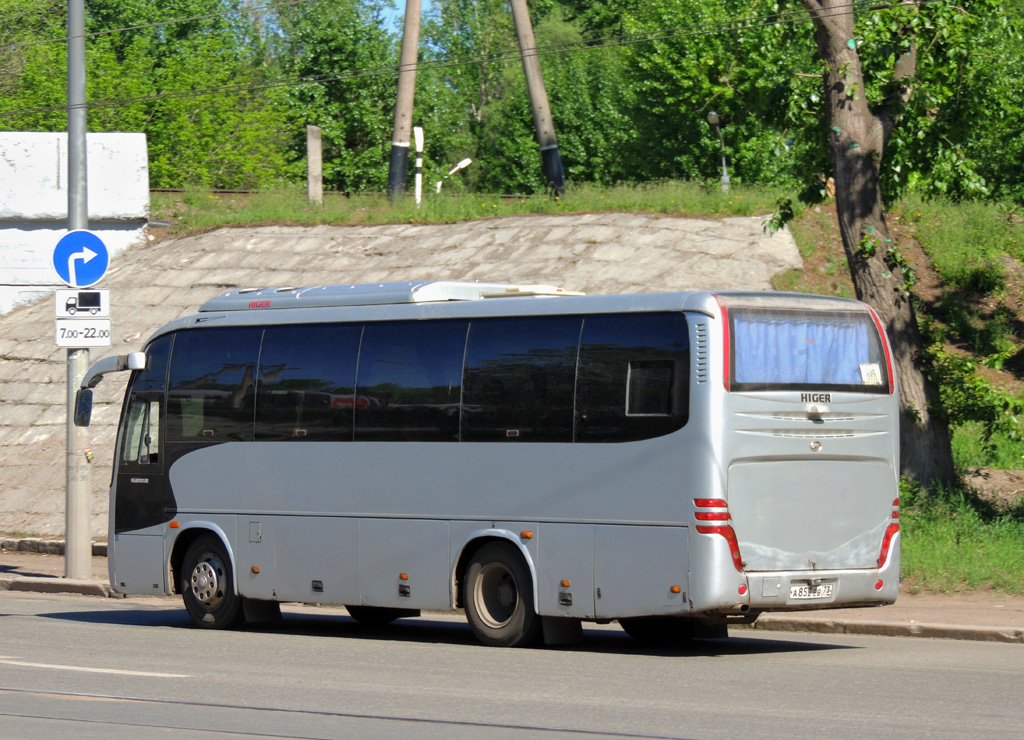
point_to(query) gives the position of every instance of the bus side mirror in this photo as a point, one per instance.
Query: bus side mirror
(137, 361)
(83, 407)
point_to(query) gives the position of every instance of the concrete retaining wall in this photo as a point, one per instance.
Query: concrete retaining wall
(34, 204)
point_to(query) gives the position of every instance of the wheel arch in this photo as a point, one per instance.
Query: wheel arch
(188, 534)
(477, 540)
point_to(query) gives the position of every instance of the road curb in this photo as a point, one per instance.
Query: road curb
(44, 585)
(891, 629)
(46, 547)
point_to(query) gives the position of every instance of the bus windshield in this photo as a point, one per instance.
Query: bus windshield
(786, 349)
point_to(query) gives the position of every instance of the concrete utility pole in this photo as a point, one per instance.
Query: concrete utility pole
(78, 544)
(399, 165)
(314, 165)
(551, 160)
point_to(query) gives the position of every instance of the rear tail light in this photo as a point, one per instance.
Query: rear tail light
(727, 344)
(719, 513)
(890, 532)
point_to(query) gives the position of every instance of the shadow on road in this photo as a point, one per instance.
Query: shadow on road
(448, 630)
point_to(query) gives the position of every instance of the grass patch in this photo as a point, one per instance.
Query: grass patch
(971, 450)
(199, 210)
(953, 541)
(967, 242)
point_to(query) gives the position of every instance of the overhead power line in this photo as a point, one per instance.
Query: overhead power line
(391, 70)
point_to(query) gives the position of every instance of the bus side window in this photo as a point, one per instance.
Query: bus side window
(211, 393)
(520, 374)
(410, 381)
(306, 387)
(634, 372)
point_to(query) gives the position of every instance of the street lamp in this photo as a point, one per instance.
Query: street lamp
(464, 163)
(715, 124)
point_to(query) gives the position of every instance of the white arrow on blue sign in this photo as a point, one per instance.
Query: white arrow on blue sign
(80, 259)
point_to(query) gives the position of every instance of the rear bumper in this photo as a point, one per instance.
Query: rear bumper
(770, 591)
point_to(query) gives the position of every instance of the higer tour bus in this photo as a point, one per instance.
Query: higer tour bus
(677, 462)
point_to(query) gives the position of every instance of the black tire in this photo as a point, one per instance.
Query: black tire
(378, 616)
(499, 598)
(659, 630)
(207, 586)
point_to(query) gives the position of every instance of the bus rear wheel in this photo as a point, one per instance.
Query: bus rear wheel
(499, 598)
(207, 585)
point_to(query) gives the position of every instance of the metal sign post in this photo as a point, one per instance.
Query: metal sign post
(78, 544)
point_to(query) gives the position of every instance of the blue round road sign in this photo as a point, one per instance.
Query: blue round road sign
(80, 259)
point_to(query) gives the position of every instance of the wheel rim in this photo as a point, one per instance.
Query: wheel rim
(496, 595)
(207, 582)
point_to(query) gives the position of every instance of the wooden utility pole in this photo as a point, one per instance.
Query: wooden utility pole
(399, 165)
(551, 160)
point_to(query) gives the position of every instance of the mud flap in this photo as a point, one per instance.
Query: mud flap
(258, 610)
(562, 630)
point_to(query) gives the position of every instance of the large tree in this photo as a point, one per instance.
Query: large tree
(858, 132)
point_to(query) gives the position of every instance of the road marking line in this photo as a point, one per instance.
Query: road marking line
(83, 669)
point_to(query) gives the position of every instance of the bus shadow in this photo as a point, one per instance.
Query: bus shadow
(453, 630)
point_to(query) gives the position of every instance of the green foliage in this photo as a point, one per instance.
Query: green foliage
(746, 74)
(966, 396)
(151, 79)
(325, 41)
(626, 109)
(783, 214)
(956, 90)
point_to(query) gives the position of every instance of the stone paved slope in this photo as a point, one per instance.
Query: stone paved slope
(155, 283)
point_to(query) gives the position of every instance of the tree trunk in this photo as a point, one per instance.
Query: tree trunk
(857, 141)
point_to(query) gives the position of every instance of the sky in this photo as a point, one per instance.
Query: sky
(397, 16)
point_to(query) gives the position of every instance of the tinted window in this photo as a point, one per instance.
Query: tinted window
(307, 382)
(787, 349)
(410, 381)
(633, 377)
(520, 377)
(211, 390)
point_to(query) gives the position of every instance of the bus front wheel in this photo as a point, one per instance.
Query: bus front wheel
(499, 598)
(207, 586)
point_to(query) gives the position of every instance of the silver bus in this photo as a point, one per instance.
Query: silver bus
(677, 462)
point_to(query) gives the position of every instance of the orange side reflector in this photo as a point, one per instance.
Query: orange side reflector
(403, 576)
(526, 535)
(255, 569)
(676, 590)
(565, 584)
(173, 525)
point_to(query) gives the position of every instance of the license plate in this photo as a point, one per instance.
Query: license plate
(821, 591)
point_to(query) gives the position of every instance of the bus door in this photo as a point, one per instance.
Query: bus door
(810, 435)
(141, 495)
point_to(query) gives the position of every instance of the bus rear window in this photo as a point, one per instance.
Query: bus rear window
(786, 349)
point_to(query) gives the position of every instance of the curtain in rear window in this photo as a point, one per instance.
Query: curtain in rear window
(789, 349)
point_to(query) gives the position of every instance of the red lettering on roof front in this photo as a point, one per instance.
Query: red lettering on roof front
(259, 304)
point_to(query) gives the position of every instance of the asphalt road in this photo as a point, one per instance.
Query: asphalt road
(101, 668)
